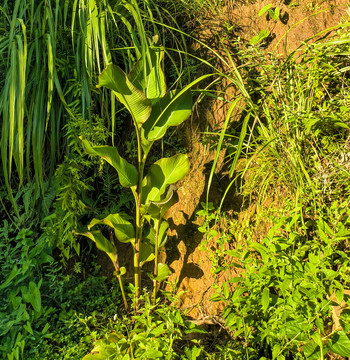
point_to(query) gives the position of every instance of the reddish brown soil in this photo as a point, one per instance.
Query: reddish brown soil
(192, 266)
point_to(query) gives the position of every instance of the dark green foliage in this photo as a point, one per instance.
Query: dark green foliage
(23, 315)
(76, 179)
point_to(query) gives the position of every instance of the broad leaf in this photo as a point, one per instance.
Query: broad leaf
(296, 329)
(147, 74)
(162, 237)
(114, 78)
(173, 109)
(265, 298)
(102, 244)
(123, 229)
(163, 273)
(34, 296)
(312, 351)
(158, 209)
(162, 173)
(146, 253)
(340, 344)
(127, 173)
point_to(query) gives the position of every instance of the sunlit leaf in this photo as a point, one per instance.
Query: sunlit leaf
(163, 172)
(147, 74)
(312, 351)
(339, 343)
(102, 244)
(264, 9)
(146, 253)
(163, 273)
(127, 173)
(123, 229)
(158, 209)
(114, 78)
(265, 298)
(173, 109)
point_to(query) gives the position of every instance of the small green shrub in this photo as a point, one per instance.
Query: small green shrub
(282, 305)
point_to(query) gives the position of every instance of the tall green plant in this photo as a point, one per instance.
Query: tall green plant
(39, 83)
(153, 111)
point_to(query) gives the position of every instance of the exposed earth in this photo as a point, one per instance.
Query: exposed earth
(192, 266)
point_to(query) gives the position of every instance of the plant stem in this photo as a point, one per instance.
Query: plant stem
(137, 269)
(155, 272)
(123, 292)
(137, 273)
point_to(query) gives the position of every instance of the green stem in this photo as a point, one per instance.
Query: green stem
(155, 272)
(123, 292)
(137, 280)
(138, 239)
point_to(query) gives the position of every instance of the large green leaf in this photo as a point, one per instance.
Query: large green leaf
(162, 236)
(102, 244)
(158, 209)
(31, 294)
(34, 296)
(162, 274)
(163, 172)
(123, 229)
(127, 173)
(173, 109)
(147, 74)
(340, 344)
(146, 253)
(115, 79)
(312, 351)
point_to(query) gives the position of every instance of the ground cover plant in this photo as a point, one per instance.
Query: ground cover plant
(290, 298)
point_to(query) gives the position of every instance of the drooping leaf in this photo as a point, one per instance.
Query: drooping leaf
(12, 275)
(173, 109)
(123, 229)
(127, 173)
(162, 237)
(163, 172)
(115, 79)
(102, 244)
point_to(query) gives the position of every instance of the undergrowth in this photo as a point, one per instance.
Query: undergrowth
(285, 254)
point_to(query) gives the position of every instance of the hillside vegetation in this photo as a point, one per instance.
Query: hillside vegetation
(174, 180)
